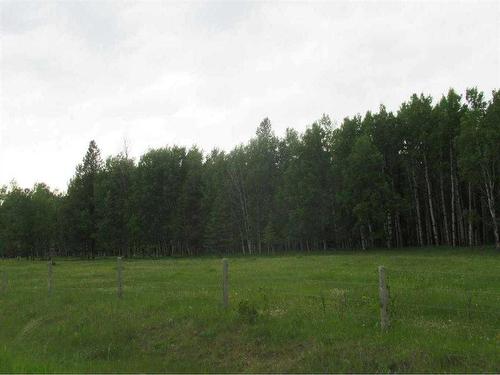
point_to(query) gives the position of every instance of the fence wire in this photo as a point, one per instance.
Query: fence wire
(405, 288)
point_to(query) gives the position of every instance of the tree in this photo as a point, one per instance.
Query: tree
(367, 190)
(479, 141)
(426, 175)
(114, 190)
(189, 210)
(260, 179)
(80, 209)
(28, 221)
(218, 211)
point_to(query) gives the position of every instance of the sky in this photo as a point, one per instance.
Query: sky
(153, 74)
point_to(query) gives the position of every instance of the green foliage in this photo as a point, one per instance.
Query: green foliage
(428, 174)
(479, 137)
(28, 221)
(80, 220)
(247, 311)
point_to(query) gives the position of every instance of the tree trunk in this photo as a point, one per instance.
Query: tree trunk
(483, 221)
(370, 231)
(259, 241)
(453, 226)
(363, 240)
(460, 221)
(469, 216)
(428, 230)
(443, 207)
(490, 196)
(431, 209)
(389, 230)
(417, 208)
(399, 235)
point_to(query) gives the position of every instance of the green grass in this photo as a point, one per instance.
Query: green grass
(295, 313)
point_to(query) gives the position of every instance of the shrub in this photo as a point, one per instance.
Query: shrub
(248, 311)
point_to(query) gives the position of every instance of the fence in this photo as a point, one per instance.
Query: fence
(384, 296)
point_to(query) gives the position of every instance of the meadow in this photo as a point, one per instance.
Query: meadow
(288, 313)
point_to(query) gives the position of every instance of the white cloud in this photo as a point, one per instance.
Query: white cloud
(206, 73)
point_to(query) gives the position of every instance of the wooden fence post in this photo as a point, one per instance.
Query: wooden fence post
(49, 277)
(119, 277)
(225, 283)
(384, 298)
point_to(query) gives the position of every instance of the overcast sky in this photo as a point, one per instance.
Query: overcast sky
(206, 73)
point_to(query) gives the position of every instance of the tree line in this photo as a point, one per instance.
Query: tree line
(425, 175)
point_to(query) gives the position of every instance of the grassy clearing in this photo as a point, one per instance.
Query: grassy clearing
(296, 313)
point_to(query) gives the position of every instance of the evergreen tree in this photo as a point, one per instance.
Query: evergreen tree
(80, 211)
(427, 175)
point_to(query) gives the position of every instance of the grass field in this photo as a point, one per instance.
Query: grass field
(294, 313)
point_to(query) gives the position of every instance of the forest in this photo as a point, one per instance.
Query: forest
(426, 175)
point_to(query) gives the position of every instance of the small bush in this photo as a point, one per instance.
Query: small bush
(248, 311)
